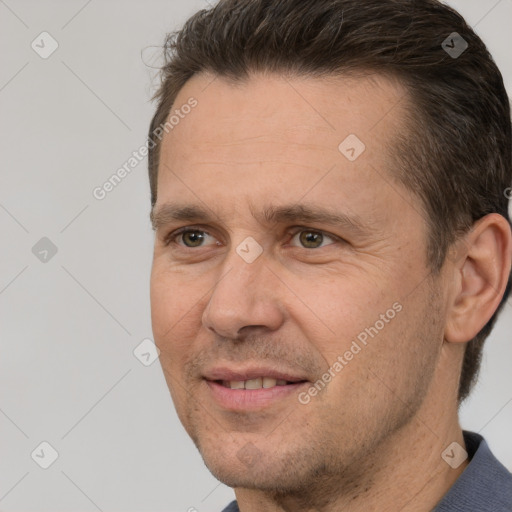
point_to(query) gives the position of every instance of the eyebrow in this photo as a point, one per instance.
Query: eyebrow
(271, 215)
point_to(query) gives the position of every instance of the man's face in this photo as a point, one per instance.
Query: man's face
(242, 297)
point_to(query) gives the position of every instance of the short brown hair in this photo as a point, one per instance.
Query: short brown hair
(457, 156)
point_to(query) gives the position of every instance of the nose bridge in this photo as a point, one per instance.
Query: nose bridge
(244, 295)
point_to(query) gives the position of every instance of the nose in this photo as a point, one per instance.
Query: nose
(246, 295)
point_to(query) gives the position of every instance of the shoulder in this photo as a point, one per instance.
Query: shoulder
(232, 507)
(485, 485)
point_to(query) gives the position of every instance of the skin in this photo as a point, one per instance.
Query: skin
(373, 438)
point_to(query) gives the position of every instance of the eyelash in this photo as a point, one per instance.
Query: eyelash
(171, 237)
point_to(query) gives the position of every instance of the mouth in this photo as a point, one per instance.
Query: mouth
(257, 383)
(252, 389)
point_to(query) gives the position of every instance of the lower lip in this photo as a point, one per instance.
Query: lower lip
(251, 399)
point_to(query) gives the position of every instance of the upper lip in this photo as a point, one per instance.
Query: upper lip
(253, 372)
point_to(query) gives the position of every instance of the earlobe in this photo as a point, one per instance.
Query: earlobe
(479, 279)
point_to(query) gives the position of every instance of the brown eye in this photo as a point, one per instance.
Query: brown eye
(190, 238)
(311, 239)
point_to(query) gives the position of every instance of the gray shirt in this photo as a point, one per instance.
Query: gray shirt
(484, 486)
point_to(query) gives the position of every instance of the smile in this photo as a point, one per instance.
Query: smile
(258, 383)
(252, 395)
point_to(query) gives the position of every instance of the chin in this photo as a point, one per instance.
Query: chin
(249, 478)
(251, 469)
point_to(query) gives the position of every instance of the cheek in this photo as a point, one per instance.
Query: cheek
(169, 300)
(370, 330)
(344, 308)
(174, 311)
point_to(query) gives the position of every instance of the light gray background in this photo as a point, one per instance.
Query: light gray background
(68, 327)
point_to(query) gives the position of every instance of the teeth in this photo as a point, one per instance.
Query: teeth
(253, 383)
(269, 382)
(260, 382)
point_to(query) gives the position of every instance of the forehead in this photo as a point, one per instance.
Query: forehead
(279, 137)
(299, 106)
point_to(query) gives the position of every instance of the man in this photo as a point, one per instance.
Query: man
(329, 185)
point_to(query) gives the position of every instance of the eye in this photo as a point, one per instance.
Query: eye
(190, 236)
(194, 237)
(312, 239)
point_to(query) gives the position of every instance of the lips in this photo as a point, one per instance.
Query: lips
(257, 383)
(224, 374)
(252, 388)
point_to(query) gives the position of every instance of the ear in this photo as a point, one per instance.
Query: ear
(479, 277)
